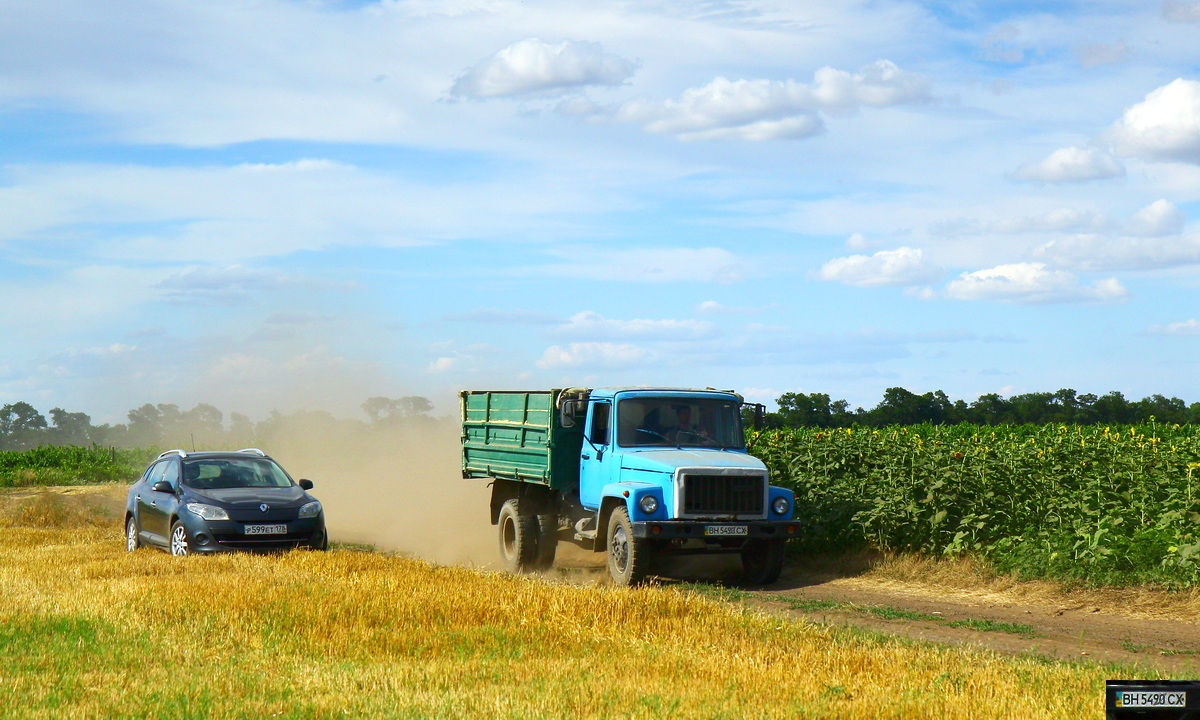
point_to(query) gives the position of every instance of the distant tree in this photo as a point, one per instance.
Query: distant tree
(383, 410)
(21, 426)
(70, 428)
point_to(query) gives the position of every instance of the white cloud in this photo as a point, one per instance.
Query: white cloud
(1064, 219)
(712, 307)
(775, 109)
(1181, 12)
(1161, 217)
(497, 316)
(593, 355)
(1031, 283)
(1164, 126)
(222, 285)
(903, 266)
(1095, 252)
(1187, 327)
(1103, 54)
(1071, 164)
(535, 67)
(593, 326)
(649, 265)
(442, 365)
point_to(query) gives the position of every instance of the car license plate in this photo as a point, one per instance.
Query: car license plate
(266, 529)
(719, 530)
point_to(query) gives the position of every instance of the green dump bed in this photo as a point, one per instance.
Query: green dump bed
(517, 436)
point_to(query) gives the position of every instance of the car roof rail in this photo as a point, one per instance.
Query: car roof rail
(256, 451)
(176, 451)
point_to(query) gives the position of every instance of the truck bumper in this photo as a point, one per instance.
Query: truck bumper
(717, 529)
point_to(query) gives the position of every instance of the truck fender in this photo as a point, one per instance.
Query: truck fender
(631, 493)
(778, 492)
(531, 499)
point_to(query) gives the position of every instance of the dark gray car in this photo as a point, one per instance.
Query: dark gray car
(204, 502)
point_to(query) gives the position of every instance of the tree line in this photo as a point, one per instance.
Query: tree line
(902, 407)
(23, 427)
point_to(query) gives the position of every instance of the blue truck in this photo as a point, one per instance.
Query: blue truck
(637, 473)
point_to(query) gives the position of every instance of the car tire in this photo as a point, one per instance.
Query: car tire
(762, 561)
(133, 539)
(518, 538)
(628, 556)
(547, 542)
(180, 544)
(321, 544)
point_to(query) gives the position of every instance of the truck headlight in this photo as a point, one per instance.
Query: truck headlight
(648, 504)
(780, 506)
(208, 512)
(311, 510)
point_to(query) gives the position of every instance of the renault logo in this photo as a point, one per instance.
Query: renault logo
(264, 507)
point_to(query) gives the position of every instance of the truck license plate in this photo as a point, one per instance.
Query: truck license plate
(266, 529)
(718, 530)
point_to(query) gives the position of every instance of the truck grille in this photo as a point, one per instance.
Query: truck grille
(724, 495)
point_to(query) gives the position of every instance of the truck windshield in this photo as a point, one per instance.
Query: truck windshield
(680, 422)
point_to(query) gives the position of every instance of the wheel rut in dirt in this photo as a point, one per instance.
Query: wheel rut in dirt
(1064, 628)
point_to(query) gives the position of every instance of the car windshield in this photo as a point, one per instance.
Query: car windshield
(680, 422)
(224, 473)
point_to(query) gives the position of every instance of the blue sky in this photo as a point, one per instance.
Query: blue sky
(287, 205)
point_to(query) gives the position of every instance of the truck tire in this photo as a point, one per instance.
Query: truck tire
(547, 541)
(762, 561)
(628, 557)
(518, 538)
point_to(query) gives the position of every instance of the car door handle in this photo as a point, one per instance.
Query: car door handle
(587, 457)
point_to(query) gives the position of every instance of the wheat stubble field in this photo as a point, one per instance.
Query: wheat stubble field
(88, 630)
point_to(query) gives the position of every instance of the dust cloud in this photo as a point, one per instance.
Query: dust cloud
(398, 487)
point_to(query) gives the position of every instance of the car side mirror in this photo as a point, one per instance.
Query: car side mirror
(163, 486)
(306, 484)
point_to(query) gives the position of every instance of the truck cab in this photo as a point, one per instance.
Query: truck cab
(632, 472)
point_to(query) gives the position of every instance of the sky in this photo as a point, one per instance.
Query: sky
(278, 204)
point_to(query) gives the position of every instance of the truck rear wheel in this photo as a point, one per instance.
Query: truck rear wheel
(628, 556)
(762, 561)
(518, 538)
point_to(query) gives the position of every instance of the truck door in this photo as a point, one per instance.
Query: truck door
(597, 462)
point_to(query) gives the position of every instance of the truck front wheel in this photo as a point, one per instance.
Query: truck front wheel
(762, 561)
(628, 556)
(518, 538)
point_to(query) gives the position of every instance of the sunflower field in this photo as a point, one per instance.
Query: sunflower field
(1101, 505)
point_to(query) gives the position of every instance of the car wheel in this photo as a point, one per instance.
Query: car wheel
(762, 561)
(518, 538)
(320, 541)
(132, 540)
(181, 544)
(628, 556)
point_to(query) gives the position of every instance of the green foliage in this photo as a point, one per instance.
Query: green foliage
(1102, 505)
(69, 465)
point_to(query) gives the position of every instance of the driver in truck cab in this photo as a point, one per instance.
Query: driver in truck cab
(684, 427)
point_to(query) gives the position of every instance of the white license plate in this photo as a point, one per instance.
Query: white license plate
(719, 530)
(266, 529)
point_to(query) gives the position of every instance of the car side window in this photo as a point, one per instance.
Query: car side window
(156, 473)
(171, 473)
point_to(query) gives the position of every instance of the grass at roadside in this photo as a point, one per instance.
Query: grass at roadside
(87, 630)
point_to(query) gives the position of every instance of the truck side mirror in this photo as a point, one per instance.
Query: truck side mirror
(566, 414)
